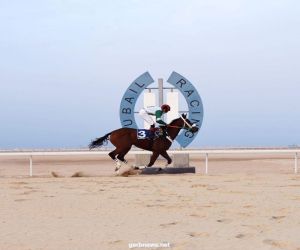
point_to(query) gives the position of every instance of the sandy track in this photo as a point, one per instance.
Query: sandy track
(244, 203)
(236, 211)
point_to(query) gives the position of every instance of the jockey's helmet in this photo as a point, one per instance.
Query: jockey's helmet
(165, 108)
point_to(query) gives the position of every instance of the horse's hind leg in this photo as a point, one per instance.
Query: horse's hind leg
(113, 154)
(122, 154)
(123, 145)
(118, 156)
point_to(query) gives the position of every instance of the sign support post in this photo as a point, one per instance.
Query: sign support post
(160, 92)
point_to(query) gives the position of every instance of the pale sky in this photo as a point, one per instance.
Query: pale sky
(64, 66)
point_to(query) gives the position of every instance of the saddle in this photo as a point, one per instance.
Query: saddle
(143, 134)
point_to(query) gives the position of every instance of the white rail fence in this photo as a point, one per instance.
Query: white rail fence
(292, 152)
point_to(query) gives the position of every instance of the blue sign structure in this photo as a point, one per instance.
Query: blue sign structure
(130, 97)
(195, 106)
(186, 88)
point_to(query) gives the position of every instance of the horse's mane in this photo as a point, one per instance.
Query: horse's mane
(175, 120)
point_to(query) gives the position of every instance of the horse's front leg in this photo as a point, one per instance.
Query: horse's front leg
(167, 157)
(153, 158)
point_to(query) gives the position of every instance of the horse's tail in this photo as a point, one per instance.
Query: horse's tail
(98, 142)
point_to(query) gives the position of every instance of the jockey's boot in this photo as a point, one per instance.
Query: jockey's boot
(152, 128)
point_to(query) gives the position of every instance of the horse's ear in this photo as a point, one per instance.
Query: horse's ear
(184, 116)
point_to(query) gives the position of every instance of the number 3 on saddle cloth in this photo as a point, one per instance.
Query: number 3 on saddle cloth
(148, 134)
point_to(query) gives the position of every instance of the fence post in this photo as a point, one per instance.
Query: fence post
(206, 163)
(296, 163)
(30, 166)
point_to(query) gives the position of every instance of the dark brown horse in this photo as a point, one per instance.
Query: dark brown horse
(124, 138)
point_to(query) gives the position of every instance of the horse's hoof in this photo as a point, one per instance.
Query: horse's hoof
(138, 167)
(141, 167)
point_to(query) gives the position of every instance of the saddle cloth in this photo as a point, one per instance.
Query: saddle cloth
(148, 134)
(144, 134)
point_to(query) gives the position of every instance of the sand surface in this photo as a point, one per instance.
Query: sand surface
(243, 203)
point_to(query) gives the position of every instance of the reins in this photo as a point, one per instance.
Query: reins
(184, 127)
(171, 126)
(188, 127)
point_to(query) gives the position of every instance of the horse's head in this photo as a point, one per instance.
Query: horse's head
(185, 123)
(188, 124)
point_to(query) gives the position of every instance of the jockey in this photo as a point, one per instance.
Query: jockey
(158, 112)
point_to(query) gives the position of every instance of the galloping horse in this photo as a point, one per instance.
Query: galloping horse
(124, 138)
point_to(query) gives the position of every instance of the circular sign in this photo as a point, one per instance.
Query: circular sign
(185, 87)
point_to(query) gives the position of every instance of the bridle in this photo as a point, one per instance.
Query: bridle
(186, 123)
